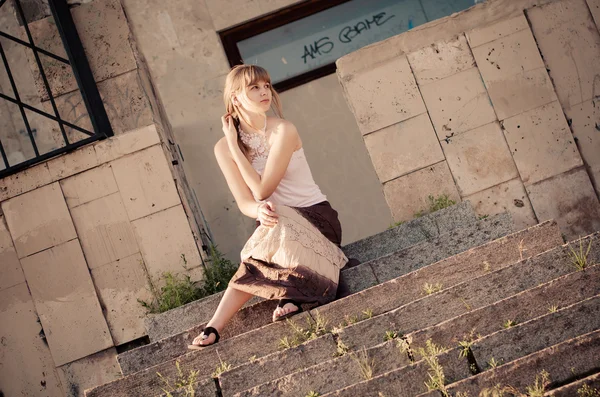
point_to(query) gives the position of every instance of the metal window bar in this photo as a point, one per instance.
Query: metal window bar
(42, 73)
(83, 75)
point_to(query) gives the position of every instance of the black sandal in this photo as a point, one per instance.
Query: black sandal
(206, 331)
(282, 303)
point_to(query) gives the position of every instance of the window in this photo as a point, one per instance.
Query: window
(35, 124)
(303, 42)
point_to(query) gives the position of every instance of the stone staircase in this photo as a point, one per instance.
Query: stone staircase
(445, 298)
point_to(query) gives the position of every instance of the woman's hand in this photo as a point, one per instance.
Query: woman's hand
(229, 128)
(266, 214)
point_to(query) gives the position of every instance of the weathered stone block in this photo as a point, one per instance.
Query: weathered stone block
(145, 182)
(38, 220)
(90, 371)
(233, 12)
(10, 267)
(553, 328)
(470, 295)
(409, 194)
(571, 389)
(410, 379)
(498, 30)
(479, 159)
(441, 60)
(541, 143)
(179, 42)
(594, 6)
(500, 59)
(88, 186)
(404, 147)
(585, 122)
(120, 284)
(410, 233)
(570, 199)
(384, 95)
(26, 361)
(166, 242)
(72, 163)
(105, 36)
(132, 141)
(259, 342)
(450, 272)
(508, 197)
(520, 308)
(277, 365)
(67, 303)
(24, 181)
(562, 362)
(570, 43)
(444, 246)
(359, 278)
(458, 103)
(104, 230)
(345, 370)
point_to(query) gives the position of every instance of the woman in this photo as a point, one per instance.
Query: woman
(293, 255)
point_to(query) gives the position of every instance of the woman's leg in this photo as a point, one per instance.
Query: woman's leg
(231, 302)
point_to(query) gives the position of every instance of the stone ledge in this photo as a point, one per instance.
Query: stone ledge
(82, 159)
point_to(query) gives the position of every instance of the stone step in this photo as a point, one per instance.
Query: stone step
(472, 294)
(542, 340)
(497, 254)
(522, 307)
(578, 388)
(430, 226)
(260, 314)
(264, 340)
(485, 321)
(563, 362)
(412, 232)
(393, 265)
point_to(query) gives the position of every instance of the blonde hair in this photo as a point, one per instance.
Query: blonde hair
(240, 77)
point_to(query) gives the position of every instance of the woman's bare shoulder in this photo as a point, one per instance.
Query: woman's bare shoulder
(222, 148)
(285, 128)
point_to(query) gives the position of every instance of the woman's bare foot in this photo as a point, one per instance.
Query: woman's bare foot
(288, 308)
(206, 338)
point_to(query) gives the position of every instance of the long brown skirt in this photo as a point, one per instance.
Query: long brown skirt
(297, 259)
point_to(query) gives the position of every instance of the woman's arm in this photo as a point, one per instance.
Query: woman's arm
(239, 189)
(285, 141)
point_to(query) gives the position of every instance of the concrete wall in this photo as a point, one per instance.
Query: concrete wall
(85, 235)
(496, 105)
(187, 63)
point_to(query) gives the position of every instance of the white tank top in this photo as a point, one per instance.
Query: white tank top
(297, 187)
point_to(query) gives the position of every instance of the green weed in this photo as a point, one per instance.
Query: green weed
(579, 259)
(553, 309)
(179, 290)
(509, 323)
(365, 363)
(493, 363)
(393, 225)
(432, 288)
(183, 381)
(437, 379)
(314, 329)
(539, 387)
(389, 335)
(587, 391)
(312, 394)
(220, 369)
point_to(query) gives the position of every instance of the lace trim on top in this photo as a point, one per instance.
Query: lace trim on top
(258, 146)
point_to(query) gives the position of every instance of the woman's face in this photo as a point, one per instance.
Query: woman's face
(257, 97)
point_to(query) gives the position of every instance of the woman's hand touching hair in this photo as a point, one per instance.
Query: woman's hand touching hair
(229, 128)
(266, 214)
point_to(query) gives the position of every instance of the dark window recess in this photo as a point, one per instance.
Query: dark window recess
(41, 114)
(302, 42)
